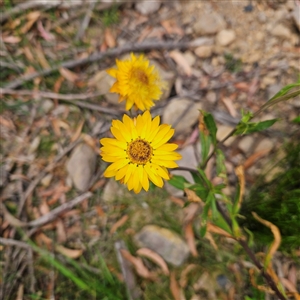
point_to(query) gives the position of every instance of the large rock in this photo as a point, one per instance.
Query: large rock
(81, 166)
(167, 76)
(147, 7)
(225, 37)
(169, 245)
(209, 24)
(182, 114)
(103, 82)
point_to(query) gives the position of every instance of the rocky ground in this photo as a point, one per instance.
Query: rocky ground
(241, 54)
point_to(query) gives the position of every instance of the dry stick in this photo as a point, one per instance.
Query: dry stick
(53, 214)
(252, 256)
(72, 98)
(146, 46)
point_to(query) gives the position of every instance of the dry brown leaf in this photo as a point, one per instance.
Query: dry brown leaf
(60, 231)
(11, 39)
(90, 141)
(10, 218)
(91, 232)
(181, 62)
(55, 127)
(7, 123)
(190, 212)
(190, 239)
(288, 285)
(244, 86)
(154, 257)
(28, 54)
(32, 18)
(259, 287)
(138, 265)
(183, 276)
(192, 197)
(41, 57)
(229, 105)
(118, 224)
(174, 287)
(254, 157)
(177, 201)
(277, 237)
(41, 239)
(44, 34)
(100, 211)
(171, 27)
(109, 38)
(215, 229)
(72, 253)
(78, 130)
(239, 171)
(292, 275)
(43, 207)
(69, 75)
(210, 238)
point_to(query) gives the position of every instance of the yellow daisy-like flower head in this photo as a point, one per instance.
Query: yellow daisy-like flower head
(139, 152)
(137, 82)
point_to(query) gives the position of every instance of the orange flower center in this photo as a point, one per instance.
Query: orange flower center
(140, 75)
(139, 151)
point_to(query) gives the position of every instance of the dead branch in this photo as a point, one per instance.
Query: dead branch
(96, 56)
(72, 98)
(53, 214)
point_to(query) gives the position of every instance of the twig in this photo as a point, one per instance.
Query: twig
(134, 47)
(85, 21)
(11, 242)
(53, 214)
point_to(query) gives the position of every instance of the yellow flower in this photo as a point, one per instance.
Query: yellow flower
(139, 152)
(137, 82)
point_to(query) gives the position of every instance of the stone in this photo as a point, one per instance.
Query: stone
(113, 190)
(265, 144)
(103, 82)
(296, 15)
(246, 143)
(225, 37)
(208, 24)
(204, 51)
(147, 7)
(223, 131)
(167, 76)
(190, 58)
(182, 114)
(281, 31)
(168, 244)
(47, 180)
(188, 160)
(211, 97)
(34, 145)
(81, 166)
(47, 105)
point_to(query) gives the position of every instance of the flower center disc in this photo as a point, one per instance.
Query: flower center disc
(140, 75)
(139, 151)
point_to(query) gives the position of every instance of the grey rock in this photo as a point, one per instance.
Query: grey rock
(225, 37)
(146, 7)
(182, 114)
(167, 76)
(246, 143)
(204, 51)
(168, 244)
(265, 144)
(209, 24)
(114, 190)
(81, 166)
(189, 160)
(223, 131)
(47, 105)
(296, 15)
(281, 31)
(103, 82)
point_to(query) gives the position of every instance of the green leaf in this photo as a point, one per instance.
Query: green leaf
(296, 120)
(220, 163)
(205, 142)
(245, 128)
(211, 126)
(200, 190)
(251, 237)
(284, 94)
(205, 179)
(235, 207)
(204, 219)
(178, 182)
